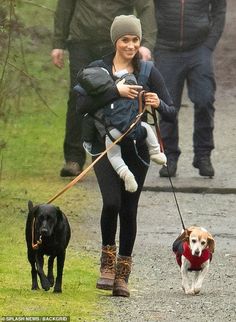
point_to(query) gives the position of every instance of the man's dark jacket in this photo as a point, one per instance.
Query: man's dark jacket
(186, 24)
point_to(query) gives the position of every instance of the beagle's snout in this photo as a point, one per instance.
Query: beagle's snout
(197, 252)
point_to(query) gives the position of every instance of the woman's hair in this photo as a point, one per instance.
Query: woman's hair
(136, 63)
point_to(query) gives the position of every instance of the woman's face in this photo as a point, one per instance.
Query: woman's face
(127, 46)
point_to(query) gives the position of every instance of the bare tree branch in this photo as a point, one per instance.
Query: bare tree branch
(1, 166)
(22, 71)
(12, 25)
(37, 91)
(31, 79)
(37, 5)
(11, 8)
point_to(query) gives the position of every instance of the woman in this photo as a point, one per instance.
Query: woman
(126, 35)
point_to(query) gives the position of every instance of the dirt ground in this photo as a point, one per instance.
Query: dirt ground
(155, 283)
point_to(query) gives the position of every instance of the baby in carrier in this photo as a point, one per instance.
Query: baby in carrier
(118, 116)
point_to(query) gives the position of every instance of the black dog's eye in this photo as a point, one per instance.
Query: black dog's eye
(40, 218)
(49, 219)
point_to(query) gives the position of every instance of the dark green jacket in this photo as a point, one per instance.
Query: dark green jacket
(87, 20)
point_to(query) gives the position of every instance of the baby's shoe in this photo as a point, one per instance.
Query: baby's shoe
(129, 179)
(159, 158)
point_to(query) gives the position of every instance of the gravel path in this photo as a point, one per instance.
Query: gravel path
(155, 283)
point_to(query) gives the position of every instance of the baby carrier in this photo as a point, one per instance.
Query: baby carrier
(121, 113)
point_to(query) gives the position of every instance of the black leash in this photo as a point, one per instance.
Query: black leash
(162, 150)
(176, 201)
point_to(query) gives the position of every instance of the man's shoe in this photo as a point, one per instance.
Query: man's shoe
(70, 169)
(170, 170)
(204, 165)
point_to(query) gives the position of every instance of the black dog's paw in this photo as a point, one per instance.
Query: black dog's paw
(57, 288)
(35, 288)
(46, 288)
(46, 285)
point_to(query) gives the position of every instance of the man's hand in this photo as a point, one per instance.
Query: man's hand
(58, 57)
(145, 53)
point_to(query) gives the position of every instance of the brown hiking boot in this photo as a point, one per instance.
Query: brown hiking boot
(107, 269)
(123, 269)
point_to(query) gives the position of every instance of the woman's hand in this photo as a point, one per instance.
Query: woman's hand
(129, 91)
(152, 99)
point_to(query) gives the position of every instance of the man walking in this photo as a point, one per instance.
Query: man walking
(82, 27)
(188, 32)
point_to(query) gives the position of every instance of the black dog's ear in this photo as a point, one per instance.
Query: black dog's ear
(60, 219)
(30, 205)
(32, 208)
(59, 213)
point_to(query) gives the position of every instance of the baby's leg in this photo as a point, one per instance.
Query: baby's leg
(153, 146)
(118, 164)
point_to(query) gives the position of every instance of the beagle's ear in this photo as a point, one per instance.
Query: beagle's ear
(211, 243)
(190, 229)
(184, 236)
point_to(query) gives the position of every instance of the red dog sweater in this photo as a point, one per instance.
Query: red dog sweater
(182, 248)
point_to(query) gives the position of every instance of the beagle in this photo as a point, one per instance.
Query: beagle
(193, 250)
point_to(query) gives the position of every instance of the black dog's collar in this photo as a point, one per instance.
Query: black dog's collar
(38, 242)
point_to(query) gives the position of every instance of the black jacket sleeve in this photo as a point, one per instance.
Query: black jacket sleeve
(217, 16)
(157, 85)
(90, 104)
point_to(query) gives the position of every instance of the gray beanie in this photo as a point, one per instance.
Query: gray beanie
(125, 25)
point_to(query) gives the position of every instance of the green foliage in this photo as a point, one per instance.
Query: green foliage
(30, 170)
(30, 160)
(25, 45)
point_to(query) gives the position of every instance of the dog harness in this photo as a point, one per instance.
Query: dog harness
(196, 261)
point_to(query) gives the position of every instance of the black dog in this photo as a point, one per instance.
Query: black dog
(47, 233)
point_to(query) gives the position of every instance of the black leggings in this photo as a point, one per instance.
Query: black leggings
(117, 201)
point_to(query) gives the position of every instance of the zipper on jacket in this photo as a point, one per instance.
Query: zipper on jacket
(182, 2)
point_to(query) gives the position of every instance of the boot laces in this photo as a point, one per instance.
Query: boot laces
(123, 271)
(108, 260)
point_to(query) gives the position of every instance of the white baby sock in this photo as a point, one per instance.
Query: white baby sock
(159, 158)
(129, 179)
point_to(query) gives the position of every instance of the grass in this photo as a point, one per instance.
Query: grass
(29, 170)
